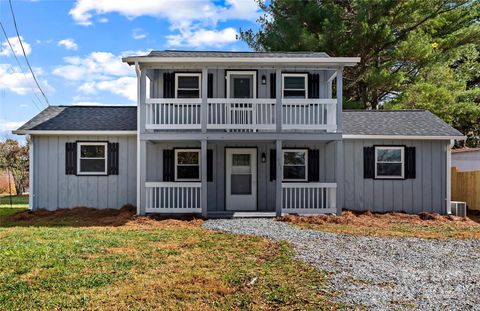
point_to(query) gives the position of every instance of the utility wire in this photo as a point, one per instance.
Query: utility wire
(25, 54)
(21, 67)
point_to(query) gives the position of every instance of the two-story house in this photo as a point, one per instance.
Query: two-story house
(218, 133)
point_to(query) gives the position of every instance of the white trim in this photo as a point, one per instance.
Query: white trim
(30, 173)
(79, 157)
(448, 199)
(242, 73)
(75, 133)
(306, 164)
(344, 61)
(199, 165)
(305, 79)
(405, 137)
(189, 74)
(402, 162)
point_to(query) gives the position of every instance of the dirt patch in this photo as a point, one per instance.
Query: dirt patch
(379, 219)
(90, 217)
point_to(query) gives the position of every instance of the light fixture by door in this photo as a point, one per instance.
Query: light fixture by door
(264, 157)
(264, 80)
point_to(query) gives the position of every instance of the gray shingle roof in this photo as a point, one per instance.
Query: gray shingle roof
(124, 118)
(84, 118)
(171, 53)
(395, 122)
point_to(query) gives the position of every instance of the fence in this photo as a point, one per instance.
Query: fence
(466, 187)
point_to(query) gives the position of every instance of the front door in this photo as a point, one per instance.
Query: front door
(242, 87)
(241, 179)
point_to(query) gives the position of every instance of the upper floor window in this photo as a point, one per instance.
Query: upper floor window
(92, 158)
(295, 85)
(188, 85)
(295, 163)
(187, 165)
(389, 162)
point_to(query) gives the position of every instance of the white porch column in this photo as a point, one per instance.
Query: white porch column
(141, 146)
(203, 193)
(204, 107)
(339, 161)
(339, 99)
(278, 181)
(278, 97)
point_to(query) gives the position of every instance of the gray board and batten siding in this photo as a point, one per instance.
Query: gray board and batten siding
(54, 189)
(424, 193)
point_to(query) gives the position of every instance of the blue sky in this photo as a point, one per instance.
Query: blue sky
(75, 47)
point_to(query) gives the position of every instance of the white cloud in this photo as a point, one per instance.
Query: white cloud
(193, 22)
(6, 127)
(17, 48)
(203, 37)
(12, 79)
(100, 71)
(138, 34)
(103, 20)
(68, 44)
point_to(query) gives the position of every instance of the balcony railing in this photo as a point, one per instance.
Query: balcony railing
(241, 114)
(309, 198)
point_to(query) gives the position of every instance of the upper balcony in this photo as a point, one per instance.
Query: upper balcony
(239, 92)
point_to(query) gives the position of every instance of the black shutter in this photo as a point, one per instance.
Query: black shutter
(168, 85)
(313, 85)
(209, 165)
(210, 85)
(410, 165)
(313, 165)
(71, 158)
(273, 82)
(273, 165)
(168, 165)
(112, 158)
(368, 162)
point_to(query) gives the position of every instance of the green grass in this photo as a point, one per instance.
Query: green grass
(19, 202)
(149, 264)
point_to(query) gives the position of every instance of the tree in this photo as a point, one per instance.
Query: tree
(395, 39)
(14, 159)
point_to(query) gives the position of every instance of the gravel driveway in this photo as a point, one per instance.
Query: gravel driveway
(381, 273)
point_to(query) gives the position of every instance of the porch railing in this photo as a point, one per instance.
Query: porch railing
(245, 114)
(309, 198)
(173, 113)
(309, 114)
(173, 197)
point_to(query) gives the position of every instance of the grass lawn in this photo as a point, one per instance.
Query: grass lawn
(393, 224)
(19, 203)
(147, 264)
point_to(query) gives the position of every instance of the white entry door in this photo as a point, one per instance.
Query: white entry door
(241, 179)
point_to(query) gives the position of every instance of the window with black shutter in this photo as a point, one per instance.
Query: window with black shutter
(389, 162)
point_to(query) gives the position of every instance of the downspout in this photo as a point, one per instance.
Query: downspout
(139, 188)
(449, 177)
(30, 173)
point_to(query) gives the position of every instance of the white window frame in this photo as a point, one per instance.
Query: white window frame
(199, 165)
(306, 163)
(305, 77)
(188, 74)
(402, 162)
(79, 157)
(242, 73)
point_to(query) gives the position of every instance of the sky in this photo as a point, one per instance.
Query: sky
(75, 47)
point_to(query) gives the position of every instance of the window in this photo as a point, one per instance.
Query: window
(92, 158)
(187, 165)
(295, 164)
(295, 85)
(389, 162)
(188, 85)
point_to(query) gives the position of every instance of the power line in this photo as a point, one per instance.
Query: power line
(21, 68)
(25, 54)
